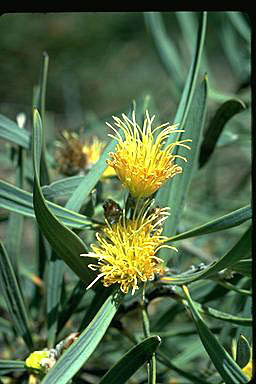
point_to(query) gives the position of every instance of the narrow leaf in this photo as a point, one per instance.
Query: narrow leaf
(10, 131)
(172, 188)
(223, 114)
(180, 184)
(163, 359)
(228, 369)
(131, 361)
(243, 351)
(67, 245)
(229, 220)
(13, 297)
(167, 51)
(71, 304)
(54, 288)
(240, 249)
(11, 366)
(20, 201)
(220, 315)
(62, 188)
(79, 352)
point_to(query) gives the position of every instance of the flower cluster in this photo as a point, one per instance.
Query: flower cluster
(76, 154)
(126, 252)
(141, 161)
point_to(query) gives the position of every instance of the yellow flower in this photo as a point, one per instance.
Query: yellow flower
(248, 369)
(35, 358)
(76, 154)
(140, 161)
(126, 251)
(93, 152)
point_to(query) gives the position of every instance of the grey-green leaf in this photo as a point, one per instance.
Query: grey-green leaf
(17, 200)
(10, 131)
(79, 352)
(14, 298)
(228, 369)
(131, 361)
(238, 252)
(166, 49)
(67, 245)
(223, 114)
(244, 267)
(178, 187)
(11, 366)
(243, 351)
(229, 220)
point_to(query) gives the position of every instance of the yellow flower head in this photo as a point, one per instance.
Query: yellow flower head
(140, 161)
(126, 251)
(35, 358)
(77, 154)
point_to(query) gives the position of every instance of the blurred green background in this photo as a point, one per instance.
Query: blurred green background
(100, 61)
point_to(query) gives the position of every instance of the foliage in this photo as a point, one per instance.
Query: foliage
(193, 322)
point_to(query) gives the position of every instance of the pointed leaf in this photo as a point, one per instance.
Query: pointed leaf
(243, 352)
(239, 251)
(167, 51)
(131, 361)
(13, 297)
(20, 201)
(229, 220)
(67, 245)
(228, 369)
(178, 189)
(54, 289)
(79, 352)
(223, 114)
(163, 359)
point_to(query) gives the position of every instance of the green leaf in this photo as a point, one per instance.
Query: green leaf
(79, 352)
(240, 24)
(223, 114)
(10, 131)
(228, 369)
(131, 361)
(239, 251)
(229, 220)
(11, 366)
(14, 298)
(15, 221)
(163, 359)
(220, 315)
(54, 289)
(174, 194)
(20, 201)
(62, 188)
(71, 304)
(166, 49)
(191, 119)
(40, 105)
(244, 267)
(90, 180)
(6, 327)
(243, 352)
(67, 245)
